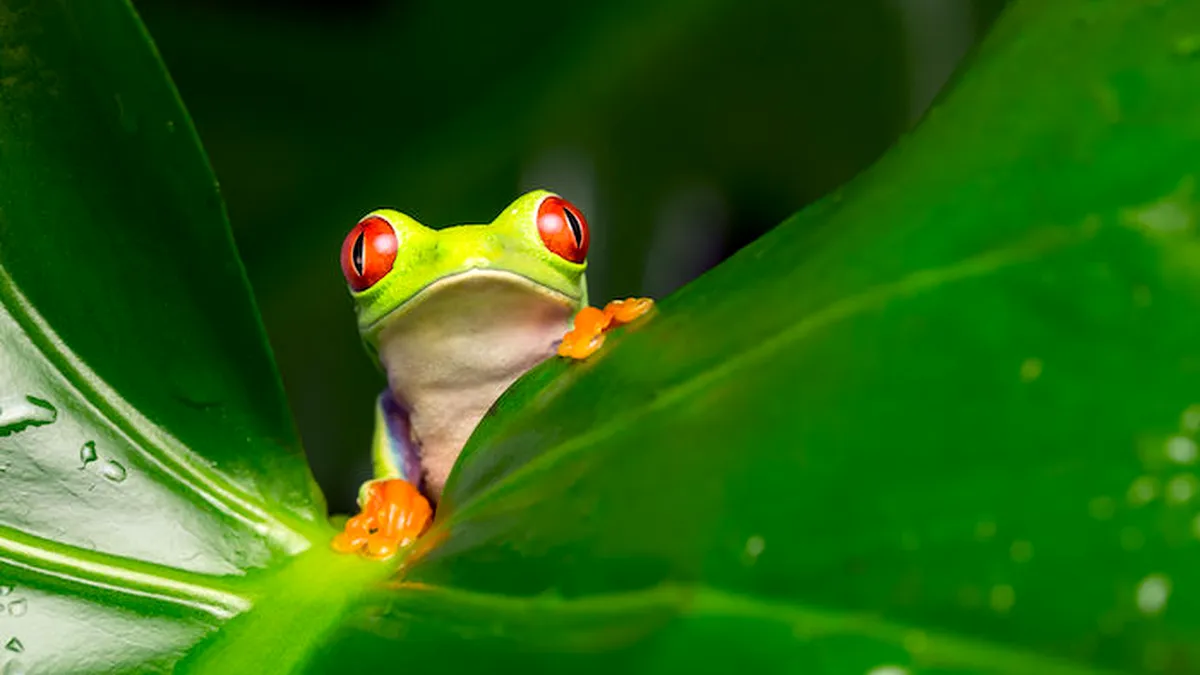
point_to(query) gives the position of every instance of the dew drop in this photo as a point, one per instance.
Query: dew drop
(5, 589)
(87, 453)
(14, 667)
(984, 530)
(1170, 216)
(1181, 450)
(1031, 369)
(19, 413)
(755, 546)
(1143, 490)
(1002, 598)
(1102, 508)
(1187, 46)
(14, 645)
(1189, 419)
(1181, 489)
(1021, 551)
(1152, 594)
(18, 607)
(1132, 538)
(113, 471)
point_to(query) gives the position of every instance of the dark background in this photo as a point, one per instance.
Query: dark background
(684, 129)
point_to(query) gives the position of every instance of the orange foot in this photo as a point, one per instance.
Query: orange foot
(591, 323)
(393, 515)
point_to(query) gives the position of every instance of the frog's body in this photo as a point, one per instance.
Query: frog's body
(451, 355)
(454, 317)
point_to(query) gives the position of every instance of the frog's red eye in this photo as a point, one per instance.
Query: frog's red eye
(563, 229)
(368, 252)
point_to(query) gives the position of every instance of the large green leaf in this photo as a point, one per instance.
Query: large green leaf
(146, 457)
(945, 420)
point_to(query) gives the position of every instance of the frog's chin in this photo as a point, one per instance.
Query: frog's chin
(485, 278)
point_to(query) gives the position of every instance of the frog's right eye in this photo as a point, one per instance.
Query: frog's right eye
(368, 252)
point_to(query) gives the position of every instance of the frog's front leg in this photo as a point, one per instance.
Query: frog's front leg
(591, 323)
(393, 511)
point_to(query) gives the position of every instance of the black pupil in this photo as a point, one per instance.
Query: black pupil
(576, 228)
(356, 254)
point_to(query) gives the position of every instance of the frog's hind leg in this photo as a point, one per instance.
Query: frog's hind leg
(393, 452)
(393, 510)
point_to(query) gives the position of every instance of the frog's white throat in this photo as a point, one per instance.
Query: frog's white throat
(451, 350)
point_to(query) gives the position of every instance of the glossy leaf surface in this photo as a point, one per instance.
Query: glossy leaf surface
(943, 421)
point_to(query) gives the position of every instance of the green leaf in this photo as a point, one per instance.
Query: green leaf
(146, 455)
(944, 420)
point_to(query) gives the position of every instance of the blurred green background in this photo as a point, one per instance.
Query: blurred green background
(684, 129)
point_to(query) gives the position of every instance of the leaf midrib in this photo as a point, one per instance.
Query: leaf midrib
(153, 443)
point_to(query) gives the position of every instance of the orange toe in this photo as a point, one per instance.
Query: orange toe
(625, 311)
(345, 542)
(380, 547)
(577, 345)
(592, 320)
(394, 514)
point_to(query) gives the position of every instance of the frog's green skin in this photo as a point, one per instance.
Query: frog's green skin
(462, 314)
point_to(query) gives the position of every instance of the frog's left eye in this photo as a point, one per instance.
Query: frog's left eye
(563, 229)
(368, 252)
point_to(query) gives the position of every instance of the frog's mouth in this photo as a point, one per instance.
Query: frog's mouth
(501, 278)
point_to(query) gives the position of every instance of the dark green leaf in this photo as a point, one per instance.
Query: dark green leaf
(944, 421)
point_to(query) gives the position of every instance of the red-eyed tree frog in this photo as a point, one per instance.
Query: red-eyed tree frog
(454, 316)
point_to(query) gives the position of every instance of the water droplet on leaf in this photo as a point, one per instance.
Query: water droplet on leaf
(1002, 598)
(113, 471)
(1143, 490)
(87, 453)
(755, 546)
(1189, 419)
(1181, 488)
(18, 607)
(984, 530)
(14, 645)
(1021, 551)
(15, 667)
(19, 413)
(1181, 449)
(1031, 369)
(1187, 46)
(1152, 594)
(5, 589)
(1102, 508)
(1132, 538)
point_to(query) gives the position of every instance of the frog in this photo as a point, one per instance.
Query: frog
(453, 317)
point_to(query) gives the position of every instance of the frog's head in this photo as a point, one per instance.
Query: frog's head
(391, 261)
